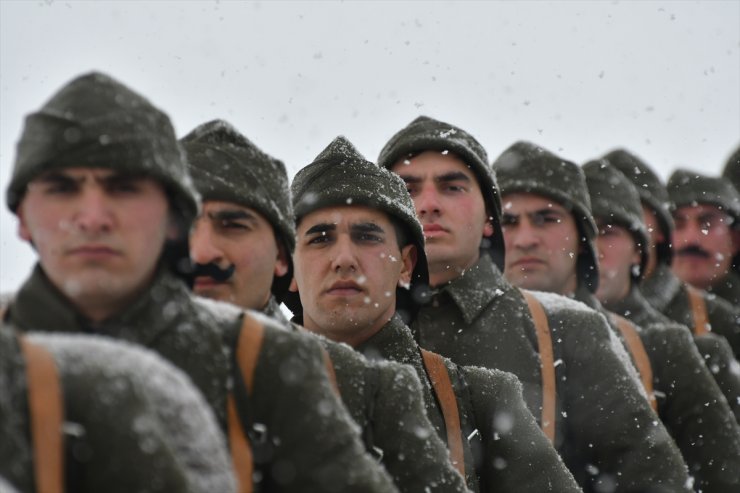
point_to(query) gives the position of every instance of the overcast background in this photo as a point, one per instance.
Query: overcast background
(579, 78)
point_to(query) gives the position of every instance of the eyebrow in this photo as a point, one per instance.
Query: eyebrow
(443, 178)
(231, 215)
(321, 228)
(367, 227)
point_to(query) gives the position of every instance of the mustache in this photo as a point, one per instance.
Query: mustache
(694, 250)
(213, 271)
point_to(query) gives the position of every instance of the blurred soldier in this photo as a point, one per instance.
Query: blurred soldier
(608, 437)
(690, 404)
(101, 191)
(708, 317)
(732, 169)
(88, 414)
(706, 212)
(359, 261)
(242, 244)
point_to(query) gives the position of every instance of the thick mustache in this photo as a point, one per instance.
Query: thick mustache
(694, 250)
(213, 271)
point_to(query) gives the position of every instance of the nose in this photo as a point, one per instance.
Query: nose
(94, 214)
(427, 202)
(203, 249)
(343, 258)
(524, 236)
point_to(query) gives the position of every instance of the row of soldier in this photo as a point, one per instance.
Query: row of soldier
(521, 326)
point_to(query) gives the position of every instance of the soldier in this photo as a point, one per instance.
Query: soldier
(607, 436)
(359, 262)
(661, 287)
(101, 191)
(690, 404)
(706, 316)
(706, 213)
(732, 169)
(242, 244)
(119, 419)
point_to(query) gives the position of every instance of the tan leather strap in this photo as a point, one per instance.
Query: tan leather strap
(329, 364)
(247, 351)
(437, 371)
(698, 310)
(47, 416)
(639, 355)
(547, 362)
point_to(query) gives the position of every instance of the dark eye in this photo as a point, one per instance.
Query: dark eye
(124, 186)
(232, 225)
(370, 238)
(319, 239)
(508, 220)
(61, 187)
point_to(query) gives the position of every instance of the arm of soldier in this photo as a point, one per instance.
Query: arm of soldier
(694, 410)
(725, 320)
(141, 424)
(628, 447)
(723, 366)
(413, 453)
(517, 456)
(313, 443)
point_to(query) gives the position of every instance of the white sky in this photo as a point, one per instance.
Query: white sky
(660, 78)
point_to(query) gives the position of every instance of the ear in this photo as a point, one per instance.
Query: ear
(736, 240)
(408, 262)
(281, 262)
(293, 288)
(23, 232)
(488, 227)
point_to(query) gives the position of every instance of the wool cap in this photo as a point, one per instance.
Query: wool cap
(527, 168)
(615, 200)
(732, 169)
(341, 176)
(653, 194)
(95, 121)
(427, 134)
(226, 166)
(690, 188)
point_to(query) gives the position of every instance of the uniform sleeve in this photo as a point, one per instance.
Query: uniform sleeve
(413, 453)
(694, 410)
(308, 441)
(517, 456)
(622, 444)
(725, 320)
(723, 366)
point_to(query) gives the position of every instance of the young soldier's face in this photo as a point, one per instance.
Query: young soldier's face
(226, 235)
(618, 255)
(347, 265)
(703, 244)
(655, 236)
(542, 243)
(451, 209)
(98, 234)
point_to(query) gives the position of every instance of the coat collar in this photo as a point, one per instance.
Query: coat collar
(392, 342)
(660, 288)
(39, 305)
(475, 288)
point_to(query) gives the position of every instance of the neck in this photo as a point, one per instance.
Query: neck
(441, 272)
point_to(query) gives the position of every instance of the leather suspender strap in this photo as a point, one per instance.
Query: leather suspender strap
(437, 371)
(329, 364)
(698, 310)
(547, 362)
(637, 349)
(247, 351)
(47, 416)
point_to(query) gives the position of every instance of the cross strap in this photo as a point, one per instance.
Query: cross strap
(440, 378)
(698, 311)
(47, 416)
(547, 363)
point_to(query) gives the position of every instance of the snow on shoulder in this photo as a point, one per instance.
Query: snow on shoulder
(171, 407)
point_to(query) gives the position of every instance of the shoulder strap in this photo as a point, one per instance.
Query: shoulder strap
(47, 415)
(698, 310)
(329, 364)
(547, 361)
(637, 350)
(247, 350)
(437, 371)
